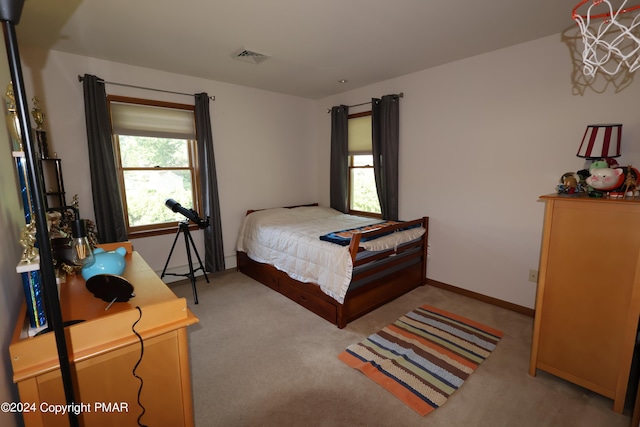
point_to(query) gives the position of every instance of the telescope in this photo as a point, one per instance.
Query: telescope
(189, 213)
(188, 241)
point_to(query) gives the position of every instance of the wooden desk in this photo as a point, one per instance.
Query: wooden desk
(104, 350)
(588, 299)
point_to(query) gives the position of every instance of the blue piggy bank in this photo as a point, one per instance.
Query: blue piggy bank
(111, 262)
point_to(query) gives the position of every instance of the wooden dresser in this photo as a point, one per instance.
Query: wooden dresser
(588, 298)
(104, 351)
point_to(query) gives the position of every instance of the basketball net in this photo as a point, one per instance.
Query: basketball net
(611, 37)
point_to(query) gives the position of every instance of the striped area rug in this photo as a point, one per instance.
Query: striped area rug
(424, 356)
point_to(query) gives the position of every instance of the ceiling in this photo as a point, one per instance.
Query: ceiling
(311, 44)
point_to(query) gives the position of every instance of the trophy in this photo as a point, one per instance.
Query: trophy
(41, 135)
(13, 122)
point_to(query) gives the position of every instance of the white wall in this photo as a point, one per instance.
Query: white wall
(264, 156)
(481, 139)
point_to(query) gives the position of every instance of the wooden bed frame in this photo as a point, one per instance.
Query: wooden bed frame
(390, 283)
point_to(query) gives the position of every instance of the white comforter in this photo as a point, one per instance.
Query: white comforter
(289, 239)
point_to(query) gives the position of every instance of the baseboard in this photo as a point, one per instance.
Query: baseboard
(484, 298)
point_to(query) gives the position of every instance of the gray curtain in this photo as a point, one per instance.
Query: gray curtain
(108, 209)
(385, 117)
(339, 169)
(214, 251)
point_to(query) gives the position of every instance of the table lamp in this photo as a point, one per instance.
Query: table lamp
(82, 251)
(601, 142)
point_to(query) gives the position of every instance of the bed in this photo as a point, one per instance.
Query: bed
(338, 266)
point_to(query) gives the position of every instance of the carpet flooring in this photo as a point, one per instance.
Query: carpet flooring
(259, 359)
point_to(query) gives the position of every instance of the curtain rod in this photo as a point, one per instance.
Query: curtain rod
(81, 78)
(401, 95)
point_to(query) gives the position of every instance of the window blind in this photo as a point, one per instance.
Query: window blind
(146, 120)
(359, 135)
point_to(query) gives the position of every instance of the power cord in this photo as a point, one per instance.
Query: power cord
(133, 328)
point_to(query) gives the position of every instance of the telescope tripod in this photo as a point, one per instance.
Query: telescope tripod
(188, 242)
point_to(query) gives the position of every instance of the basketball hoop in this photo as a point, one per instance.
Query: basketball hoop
(611, 37)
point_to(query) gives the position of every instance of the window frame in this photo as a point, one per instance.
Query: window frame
(166, 227)
(351, 166)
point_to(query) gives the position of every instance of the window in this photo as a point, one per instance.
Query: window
(157, 160)
(363, 196)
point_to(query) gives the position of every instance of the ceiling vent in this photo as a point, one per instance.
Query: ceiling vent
(251, 57)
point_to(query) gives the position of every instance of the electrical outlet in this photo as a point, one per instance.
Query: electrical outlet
(533, 276)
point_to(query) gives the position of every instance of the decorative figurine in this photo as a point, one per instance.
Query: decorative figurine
(571, 183)
(13, 121)
(38, 115)
(28, 241)
(606, 179)
(112, 262)
(41, 134)
(631, 182)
